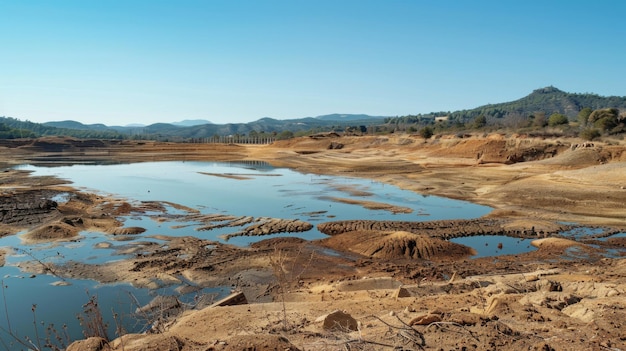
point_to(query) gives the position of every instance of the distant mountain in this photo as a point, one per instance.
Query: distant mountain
(548, 100)
(64, 128)
(76, 125)
(191, 122)
(347, 117)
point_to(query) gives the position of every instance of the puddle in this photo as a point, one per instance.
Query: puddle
(495, 245)
(578, 233)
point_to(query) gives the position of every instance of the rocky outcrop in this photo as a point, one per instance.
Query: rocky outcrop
(445, 229)
(396, 245)
(339, 320)
(267, 226)
(26, 207)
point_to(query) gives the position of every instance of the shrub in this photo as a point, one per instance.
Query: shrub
(426, 132)
(589, 134)
(557, 119)
(605, 119)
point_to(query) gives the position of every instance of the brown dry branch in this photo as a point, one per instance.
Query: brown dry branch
(286, 277)
(13, 336)
(46, 267)
(91, 320)
(404, 334)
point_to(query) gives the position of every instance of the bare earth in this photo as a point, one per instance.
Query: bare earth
(404, 284)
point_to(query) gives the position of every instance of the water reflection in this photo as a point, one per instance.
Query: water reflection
(495, 245)
(235, 188)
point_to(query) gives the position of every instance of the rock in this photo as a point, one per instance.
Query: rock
(335, 145)
(258, 342)
(499, 288)
(425, 319)
(464, 318)
(369, 284)
(542, 346)
(161, 303)
(548, 285)
(339, 320)
(236, 298)
(612, 292)
(89, 344)
(26, 207)
(556, 300)
(531, 278)
(144, 342)
(401, 292)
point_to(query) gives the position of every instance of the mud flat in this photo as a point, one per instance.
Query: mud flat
(554, 298)
(373, 205)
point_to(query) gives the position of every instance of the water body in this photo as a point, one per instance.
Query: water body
(260, 191)
(495, 245)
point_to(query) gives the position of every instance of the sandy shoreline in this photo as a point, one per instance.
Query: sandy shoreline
(530, 183)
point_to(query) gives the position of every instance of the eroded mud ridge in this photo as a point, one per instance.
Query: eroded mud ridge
(252, 226)
(26, 207)
(444, 229)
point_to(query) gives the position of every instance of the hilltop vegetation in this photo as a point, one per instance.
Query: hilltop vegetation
(587, 115)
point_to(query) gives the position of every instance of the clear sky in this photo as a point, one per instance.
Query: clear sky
(144, 61)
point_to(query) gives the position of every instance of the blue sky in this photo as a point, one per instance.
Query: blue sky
(145, 61)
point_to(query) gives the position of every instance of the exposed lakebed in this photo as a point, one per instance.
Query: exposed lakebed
(211, 188)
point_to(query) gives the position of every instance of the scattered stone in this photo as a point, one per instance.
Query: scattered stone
(160, 303)
(236, 298)
(89, 344)
(402, 292)
(425, 319)
(369, 284)
(556, 300)
(103, 245)
(548, 285)
(339, 320)
(531, 278)
(258, 342)
(464, 318)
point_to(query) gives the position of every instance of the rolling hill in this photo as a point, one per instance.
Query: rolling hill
(546, 100)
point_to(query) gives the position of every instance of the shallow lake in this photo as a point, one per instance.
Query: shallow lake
(239, 189)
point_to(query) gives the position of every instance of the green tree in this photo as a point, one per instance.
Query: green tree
(605, 119)
(539, 119)
(286, 134)
(557, 119)
(426, 132)
(589, 133)
(583, 116)
(479, 122)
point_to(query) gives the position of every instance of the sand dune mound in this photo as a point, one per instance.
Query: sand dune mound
(54, 231)
(584, 155)
(396, 244)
